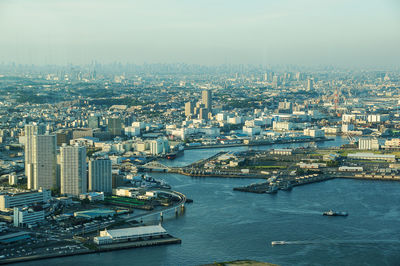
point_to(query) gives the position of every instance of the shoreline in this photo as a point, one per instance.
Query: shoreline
(264, 143)
(106, 248)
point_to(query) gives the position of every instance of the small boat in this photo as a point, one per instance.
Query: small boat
(273, 243)
(333, 213)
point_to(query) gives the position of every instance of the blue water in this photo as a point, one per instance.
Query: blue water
(223, 224)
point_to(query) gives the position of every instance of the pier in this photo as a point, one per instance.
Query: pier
(283, 184)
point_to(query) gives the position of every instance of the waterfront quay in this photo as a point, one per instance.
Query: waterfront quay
(284, 169)
(272, 187)
(76, 236)
(259, 143)
(167, 240)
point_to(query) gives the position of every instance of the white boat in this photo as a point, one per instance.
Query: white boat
(273, 243)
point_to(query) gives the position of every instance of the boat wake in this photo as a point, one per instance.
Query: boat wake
(335, 242)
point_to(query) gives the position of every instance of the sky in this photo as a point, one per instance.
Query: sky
(206, 32)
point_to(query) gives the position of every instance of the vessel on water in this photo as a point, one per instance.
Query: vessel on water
(178, 151)
(273, 243)
(173, 155)
(333, 213)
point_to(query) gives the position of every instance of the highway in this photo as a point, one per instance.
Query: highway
(181, 202)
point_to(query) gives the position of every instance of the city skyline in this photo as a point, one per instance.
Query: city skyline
(258, 132)
(261, 32)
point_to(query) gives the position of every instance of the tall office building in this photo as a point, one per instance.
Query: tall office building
(73, 170)
(189, 108)
(203, 113)
(63, 136)
(310, 84)
(100, 175)
(299, 76)
(114, 126)
(93, 121)
(206, 99)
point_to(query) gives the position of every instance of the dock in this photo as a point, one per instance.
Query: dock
(266, 187)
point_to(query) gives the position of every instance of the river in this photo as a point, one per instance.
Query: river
(223, 224)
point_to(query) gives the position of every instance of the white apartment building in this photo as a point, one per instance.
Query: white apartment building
(73, 170)
(282, 126)
(368, 144)
(315, 133)
(43, 166)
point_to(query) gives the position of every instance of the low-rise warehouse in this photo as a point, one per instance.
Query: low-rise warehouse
(372, 156)
(129, 234)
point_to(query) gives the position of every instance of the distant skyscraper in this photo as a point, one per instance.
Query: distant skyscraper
(73, 170)
(275, 81)
(114, 126)
(206, 99)
(203, 113)
(310, 84)
(94, 121)
(189, 108)
(100, 175)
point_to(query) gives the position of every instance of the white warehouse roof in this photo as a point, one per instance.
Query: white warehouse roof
(135, 231)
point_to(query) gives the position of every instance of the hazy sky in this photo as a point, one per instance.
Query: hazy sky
(305, 32)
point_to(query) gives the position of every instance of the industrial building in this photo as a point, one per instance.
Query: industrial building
(130, 234)
(372, 156)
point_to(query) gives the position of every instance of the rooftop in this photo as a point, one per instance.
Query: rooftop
(137, 231)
